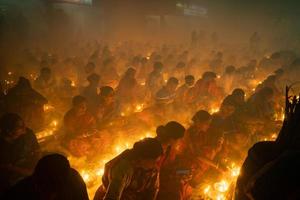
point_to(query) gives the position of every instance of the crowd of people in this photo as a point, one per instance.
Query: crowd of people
(206, 106)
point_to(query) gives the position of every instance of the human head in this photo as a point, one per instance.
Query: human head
(51, 174)
(79, 104)
(189, 80)
(146, 152)
(130, 73)
(227, 108)
(267, 93)
(107, 93)
(172, 83)
(230, 69)
(239, 94)
(209, 76)
(46, 73)
(168, 134)
(93, 79)
(24, 83)
(202, 120)
(12, 126)
(90, 67)
(158, 67)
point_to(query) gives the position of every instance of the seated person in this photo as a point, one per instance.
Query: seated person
(19, 150)
(78, 121)
(52, 179)
(133, 174)
(168, 92)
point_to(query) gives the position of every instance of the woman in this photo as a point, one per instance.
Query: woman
(133, 174)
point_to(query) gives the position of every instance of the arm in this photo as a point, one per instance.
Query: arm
(119, 179)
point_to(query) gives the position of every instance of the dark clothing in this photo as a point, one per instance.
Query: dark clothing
(260, 154)
(73, 188)
(28, 103)
(21, 153)
(279, 179)
(123, 181)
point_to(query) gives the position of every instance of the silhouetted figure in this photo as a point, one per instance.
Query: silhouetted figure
(19, 150)
(28, 103)
(52, 179)
(132, 175)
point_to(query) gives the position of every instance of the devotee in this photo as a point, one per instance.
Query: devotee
(19, 150)
(127, 88)
(133, 173)
(237, 97)
(182, 91)
(261, 105)
(53, 178)
(107, 107)
(90, 92)
(196, 135)
(155, 79)
(168, 92)
(78, 121)
(45, 82)
(28, 103)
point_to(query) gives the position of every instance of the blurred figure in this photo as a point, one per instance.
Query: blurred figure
(78, 121)
(45, 83)
(207, 88)
(127, 88)
(228, 79)
(19, 150)
(261, 104)
(169, 136)
(183, 91)
(90, 92)
(168, 92)
(196, 135)
(133, 174)
(28, 103)
(52, 179)
(107, 107)
(155, 79)
(237, 99)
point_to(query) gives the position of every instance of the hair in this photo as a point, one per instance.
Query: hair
(46, 70)
(207, 75)
(8, 122)
(51, 171)
(149, 148)
(173, 80)
(91, 64)
(106, 90)
(238, 92)
(24, 82)
(201, 116)
(189, 78)
(157, 66)
(78, 100)
(93, 78)
(171, 131)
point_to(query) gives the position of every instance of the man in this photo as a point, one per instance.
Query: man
(132, 175)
